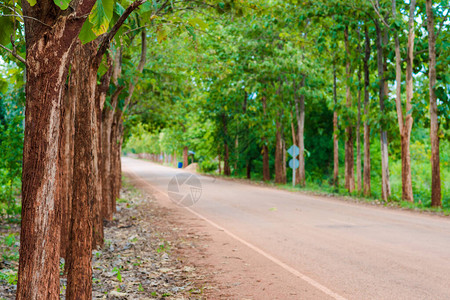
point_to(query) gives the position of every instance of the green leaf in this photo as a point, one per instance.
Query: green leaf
(86, 33)
(7, 28)
(63, 4)
(32, 2)
(101, 15)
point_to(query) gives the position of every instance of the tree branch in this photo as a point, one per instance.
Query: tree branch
(13, 53)
(110, 35)
(378, 13)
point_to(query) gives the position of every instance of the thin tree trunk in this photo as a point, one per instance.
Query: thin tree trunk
(280, 174)
(265, 149)
(335, 134)
(266, 168)
(226, 158)
(385, 184)
(100, 99)
(48, 50)
(358, 137)
(407, 192)
(107, 120)
(236, 150)
(405, 121)
(226, 161)
(294, 142)
(175, 162)
(185, 157)
(349, 144)
(300, 112)
(367, 191)
(434, 125)
(117, 128)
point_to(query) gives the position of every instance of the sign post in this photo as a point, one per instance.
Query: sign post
(294, 151)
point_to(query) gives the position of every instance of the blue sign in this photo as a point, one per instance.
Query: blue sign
(294, 163)
(294, 151)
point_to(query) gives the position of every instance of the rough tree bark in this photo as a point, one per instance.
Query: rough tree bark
(86, 217)
(116, 137)
(107, 120)
(85, 197)
(66, 161)
(366, 175)
(107, 124)
(405, 121)
(49, 35)
(381, 64)
(335, 134)
(434, 125)
(100, 98)
(349, 156)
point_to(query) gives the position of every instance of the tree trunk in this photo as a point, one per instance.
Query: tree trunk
(335, 135)
(358, 137)
(381, 64)
(294, 142)
(265, 149)
(266, 168)
(107, 121)
(175, 162)
(66, 161)
(220, 164)
(405, 121)
(226, 158)
(48, 49)
(366, 176)
(300, 112)
(434, 125)
(226, 161)
(117, 126)
(280, 174)
(86, 201)
(349, 156)
(185, 157)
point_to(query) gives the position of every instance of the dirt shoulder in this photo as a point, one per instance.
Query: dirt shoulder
(147, 255)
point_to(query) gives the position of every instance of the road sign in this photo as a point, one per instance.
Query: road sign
(294, 151)
(294, 163)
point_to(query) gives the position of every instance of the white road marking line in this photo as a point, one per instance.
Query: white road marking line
(288, 268)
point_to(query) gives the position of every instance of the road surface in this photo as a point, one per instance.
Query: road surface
(316, 247)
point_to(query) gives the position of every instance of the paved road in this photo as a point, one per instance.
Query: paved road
(344, 250)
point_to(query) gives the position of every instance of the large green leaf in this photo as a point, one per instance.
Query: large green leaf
(101, 15)
(7, 28)
(86, 33)
(63, 4)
